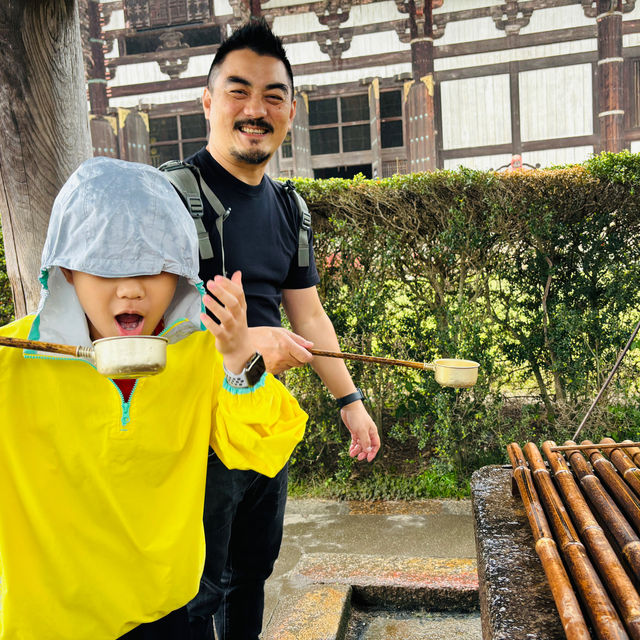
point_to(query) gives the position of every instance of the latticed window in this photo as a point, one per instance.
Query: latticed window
(145, 14)
(391, 119)
(339, 125)
(176, 137)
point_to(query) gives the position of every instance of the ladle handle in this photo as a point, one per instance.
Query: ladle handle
(357, 356)
(65, 349)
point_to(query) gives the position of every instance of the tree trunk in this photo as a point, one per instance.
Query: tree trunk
(44, 129)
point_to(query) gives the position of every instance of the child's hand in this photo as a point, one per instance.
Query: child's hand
(232, 334)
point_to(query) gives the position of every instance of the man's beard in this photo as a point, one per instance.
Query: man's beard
(255, 156)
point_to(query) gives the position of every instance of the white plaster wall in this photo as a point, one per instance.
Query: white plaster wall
(483, 163)
(305, 52)
(475, 112)
(222, 7)
(272, 4)
(337, 77)
(632, 15)
(631, 39)
(469, 31)
(635, 146)
(373, 44)
(555, 103)
(164, 97)
(297, 23)
(136, 74)
(551, 157)
(372, 13)
(460, 5)
(116, 21)
(509, 55)
(557, 18)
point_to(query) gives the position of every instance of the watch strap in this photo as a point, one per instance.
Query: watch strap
(349, 398)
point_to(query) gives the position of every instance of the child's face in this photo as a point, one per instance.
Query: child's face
(122, 306)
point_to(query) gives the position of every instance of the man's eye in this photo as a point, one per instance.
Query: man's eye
(275, 98)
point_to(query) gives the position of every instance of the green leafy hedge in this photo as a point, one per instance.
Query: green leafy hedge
(534, 274)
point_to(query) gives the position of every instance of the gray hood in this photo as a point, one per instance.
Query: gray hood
(116, 219)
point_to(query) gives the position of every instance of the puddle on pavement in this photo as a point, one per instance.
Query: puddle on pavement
(376, 624)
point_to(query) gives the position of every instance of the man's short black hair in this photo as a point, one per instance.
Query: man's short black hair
(257, 36)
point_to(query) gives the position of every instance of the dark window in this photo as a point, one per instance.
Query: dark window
(176, 137)
(356, 137)
(323, 111)
(163, 153)
(149, 41)
(390, 104)
(324, 141)
(189, 148)
(343, 172)
(194, 126)
(286, 149)
(161, 129)
(391, 134)
(355, 108)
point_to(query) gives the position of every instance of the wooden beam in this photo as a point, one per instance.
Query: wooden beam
(44, 128)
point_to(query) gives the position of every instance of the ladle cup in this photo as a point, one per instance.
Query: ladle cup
(449, 372)
(119, 357)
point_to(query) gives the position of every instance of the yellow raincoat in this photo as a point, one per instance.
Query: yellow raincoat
(101, 500)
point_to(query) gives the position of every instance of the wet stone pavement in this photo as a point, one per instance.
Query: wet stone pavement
(339, 559)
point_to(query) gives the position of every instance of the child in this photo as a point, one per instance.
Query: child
(102, 481)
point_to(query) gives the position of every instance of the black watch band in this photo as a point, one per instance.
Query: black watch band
(352, 397)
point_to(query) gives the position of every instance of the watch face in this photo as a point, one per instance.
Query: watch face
(254, 369)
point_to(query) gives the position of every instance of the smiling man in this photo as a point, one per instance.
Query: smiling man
(249, 103)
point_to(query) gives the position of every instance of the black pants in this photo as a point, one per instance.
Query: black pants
(243, 519)
(175, 626)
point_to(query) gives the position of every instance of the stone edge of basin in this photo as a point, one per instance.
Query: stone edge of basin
(313, 612)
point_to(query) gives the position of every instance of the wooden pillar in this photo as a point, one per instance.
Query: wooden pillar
(419, 94)
(300, 137)
(96, 72)
(374, 118)
(610, 76)
(44, 129)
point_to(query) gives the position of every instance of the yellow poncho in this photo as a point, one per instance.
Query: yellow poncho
(101, 501)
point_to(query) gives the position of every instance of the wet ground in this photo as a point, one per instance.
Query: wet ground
(406, 554)
(415, 625)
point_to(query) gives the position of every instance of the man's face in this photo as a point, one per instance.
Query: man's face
(250, 108)
(123, 306)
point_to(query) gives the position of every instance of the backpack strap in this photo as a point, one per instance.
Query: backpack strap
(186, 184)
(305, 223)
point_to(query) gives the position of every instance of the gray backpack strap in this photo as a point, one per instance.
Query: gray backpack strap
(305, 224)
(186, 184)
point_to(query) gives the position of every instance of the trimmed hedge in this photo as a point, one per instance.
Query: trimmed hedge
(534, 274)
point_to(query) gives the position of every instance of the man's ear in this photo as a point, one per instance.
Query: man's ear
(68, 275)
(292, 114)
(206, 102)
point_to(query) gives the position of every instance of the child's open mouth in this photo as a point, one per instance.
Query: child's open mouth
(129, 324)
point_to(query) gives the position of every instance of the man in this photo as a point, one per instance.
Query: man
(250, 106)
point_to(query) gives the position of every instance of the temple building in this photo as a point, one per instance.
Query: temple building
(382, 86)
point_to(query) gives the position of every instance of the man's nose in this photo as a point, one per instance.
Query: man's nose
(255, 107)
(130, 288)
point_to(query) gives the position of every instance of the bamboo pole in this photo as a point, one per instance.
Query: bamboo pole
(585, 578)
(623, 464)
(624, 496)
(573, 622)
(612, 445)
(610, 515)
(604, 557)
(633, 450)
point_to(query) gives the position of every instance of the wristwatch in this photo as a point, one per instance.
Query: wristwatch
(249, 376)
(352, 397)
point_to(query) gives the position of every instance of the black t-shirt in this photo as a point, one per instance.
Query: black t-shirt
(260, 239)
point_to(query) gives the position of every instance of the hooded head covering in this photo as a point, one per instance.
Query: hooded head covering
(116, 219)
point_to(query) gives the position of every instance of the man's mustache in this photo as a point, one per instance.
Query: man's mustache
(254, 123)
